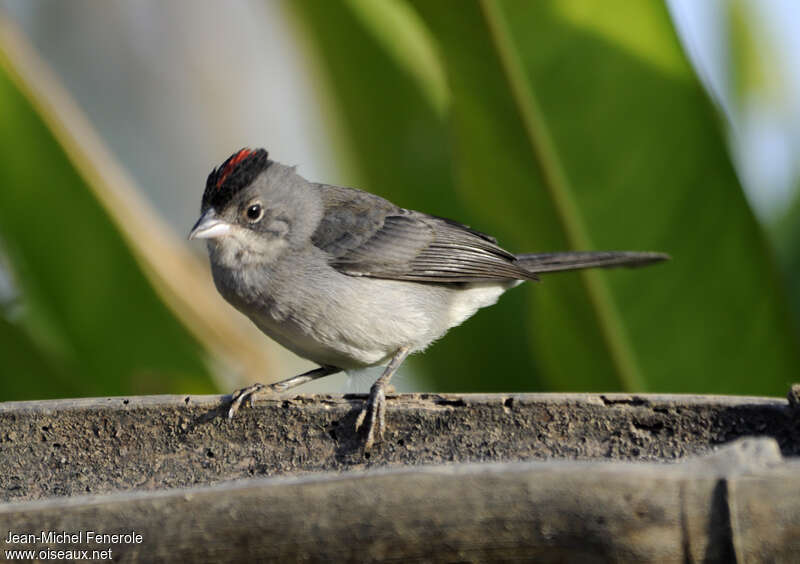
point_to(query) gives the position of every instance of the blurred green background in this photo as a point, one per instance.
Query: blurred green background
(554, 125)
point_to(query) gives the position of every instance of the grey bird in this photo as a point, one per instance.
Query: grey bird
(348, 279)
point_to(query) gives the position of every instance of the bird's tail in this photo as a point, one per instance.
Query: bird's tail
(555, 262)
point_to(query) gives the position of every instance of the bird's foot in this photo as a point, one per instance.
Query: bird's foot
(373, 415)
(241, 396)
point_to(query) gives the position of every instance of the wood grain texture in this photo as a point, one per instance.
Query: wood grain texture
(471, 478)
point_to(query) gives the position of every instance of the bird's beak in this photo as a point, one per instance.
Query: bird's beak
(209, 226)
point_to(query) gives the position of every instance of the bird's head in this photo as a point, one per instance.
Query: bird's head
(253, 209)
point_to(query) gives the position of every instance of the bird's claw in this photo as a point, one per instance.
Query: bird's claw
(243, 395)
(373, 414)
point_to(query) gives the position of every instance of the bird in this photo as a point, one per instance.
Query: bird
(346, 278)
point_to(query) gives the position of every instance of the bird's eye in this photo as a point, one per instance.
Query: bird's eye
(254, 213)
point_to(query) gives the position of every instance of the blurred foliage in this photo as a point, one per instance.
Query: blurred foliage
(87, 322)
(570, 124)
(786, 234)
(750, 48)
(756, 80)
(554, 125)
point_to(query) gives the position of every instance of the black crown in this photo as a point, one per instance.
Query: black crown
(228, 179)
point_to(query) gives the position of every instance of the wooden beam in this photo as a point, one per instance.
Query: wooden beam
(473, 477)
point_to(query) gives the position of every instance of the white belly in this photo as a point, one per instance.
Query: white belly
(364, 321)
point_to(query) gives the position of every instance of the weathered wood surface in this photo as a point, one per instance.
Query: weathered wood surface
(158, 464)
(73, 447)
(742, 505)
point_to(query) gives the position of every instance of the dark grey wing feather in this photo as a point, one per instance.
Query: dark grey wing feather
(368, 236)
(351, 218)
(576, 260)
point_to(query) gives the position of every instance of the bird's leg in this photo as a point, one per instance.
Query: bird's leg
(240, 396)
(374, 410)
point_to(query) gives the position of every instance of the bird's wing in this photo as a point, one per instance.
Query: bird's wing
(366, 235)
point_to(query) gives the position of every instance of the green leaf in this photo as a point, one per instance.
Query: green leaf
(785, 232)
(90, 322)
(580, 124)
(29, 373)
